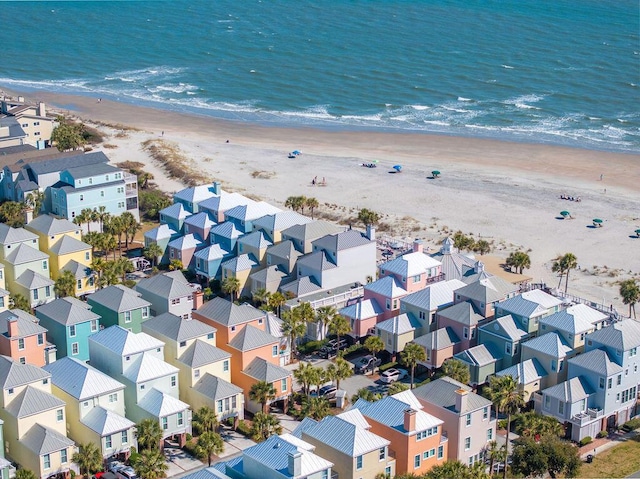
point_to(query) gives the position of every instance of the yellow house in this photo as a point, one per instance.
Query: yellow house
(241, 268)
(396, 332)
(51, 229)
(34, 420)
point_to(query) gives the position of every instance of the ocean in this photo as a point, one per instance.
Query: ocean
(561, 72)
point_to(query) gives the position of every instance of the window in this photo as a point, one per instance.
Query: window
(547, 401)
(233, 329)
(387, 471)
(225, 365)
(467, 443)
(609, 383)
(127, 316)
(196, 373)
(633, 352)
(145, 312)
(107, 442)
(72, 330)
(416, 278)
(210, 336)
(274, 350)
(59, 415)
(553, 365)
(601, 384)
(173, 381)
(35, 294)
(583, 405)
(359, 462)
(180, 419)
(416, 461)
(113, 397)
(485, 413)
(125, 437)
(465, 333)
(421, 435)
(45, 381)
(23, 360)
(219, 404)
(468, 419)
(63, 456)
(21, 344)
(183, 344)
(141, 387)
(45, 264)
(489, 434)
(94, 325)
(382, 454)
(10, 391)
(81, 197)
(87, 256)
(388, 304)
(46, 459)
(79, 284)
(325, 474)
(165, 423)
(233, 402)
(440, 452)
(507, 348)
(74, 349)
(283, 385)
(561, 408)
(619, 381)
(47, 291)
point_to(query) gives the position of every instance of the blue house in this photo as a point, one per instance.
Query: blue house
(226, 235)
(191, 197)
(174, 216)
(243, 216)
(209, 259)
(161, 235)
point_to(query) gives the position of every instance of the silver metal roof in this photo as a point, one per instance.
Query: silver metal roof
(79, 380)
(250, 338)
(225, 312)
(31, 401)
(262, 370)
(442, 393)
(105, 422)
(43, 440)
(13, 374)
(216, 388)
(201, 353)
(67, 311)
(118, 298)
(176, 328)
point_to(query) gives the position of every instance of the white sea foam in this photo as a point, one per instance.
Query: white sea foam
(508, 67)
(420, 107)
(461, 98)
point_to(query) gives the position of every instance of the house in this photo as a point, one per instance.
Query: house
(302, 236)
(6, 468)
(37, 288)
(76, 256)
(198, 224)
(270, 278)
(573, 324)
(243, 216)
(485, 293)
(216, 206)
(137, 361)
(69, 323)
(93, 186)
(254, 244)
(225, 235)
(225, 398)
(27, 272)
(168, 293)
(455, 265)
(482, 360)
(11, 238)
(416, 437)
(11, 133)
(283, 255)
(23, 339)
(529, 308)
(387, 292)
(397, 332)
(505, 335)
(262, 370)
(530, 376)
(414, 270)
(32, 121)
(240, 268)
(161, 235)
(279, 457)
(552, 352)
(50, 230)
(464, 319)
(274, 224)
(190, 198)
(467, 417)
(35, 422)
(183, 249)
(4, 294)
(208, 261)
(363, 316)
(95, 407)
(438, 345)
(229, 318)
(119, 305)
(174, 216)
(424, 304)
(346, 441)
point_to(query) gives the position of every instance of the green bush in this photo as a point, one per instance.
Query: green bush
(426, 381)
(585, 440)
(189, 437)
(502, 424)
(244, 429)
(311, 346)
(386, 366)
(631, 425)
(602, 434)
(354, 348)
(190, 448)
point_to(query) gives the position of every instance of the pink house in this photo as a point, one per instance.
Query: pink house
(363, 316)
(184, 248)
(387, 292)
(415, 270)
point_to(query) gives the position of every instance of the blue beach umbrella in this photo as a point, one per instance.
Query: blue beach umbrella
(398, 168)
(296, 152)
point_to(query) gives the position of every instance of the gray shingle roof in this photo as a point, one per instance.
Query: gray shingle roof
(43, 440)
(263, 370)
(250, 338)
(551, 344)
(165, 285)
(442, 393)
(32, 400)
(201, 353)
(80, 380)
(67, 311)
(342, 241)
(622, 335)
(597, 361)
(118, 298)
(28, 325)
(105, 422)
(32, 280)
(216, 388)
(571, 391)
(123, 342)
(225, 312)
(463, 313)
(14, 374)
(25, 254)
(51, 225)
(526, 372)
(9, 235)
(176, 328)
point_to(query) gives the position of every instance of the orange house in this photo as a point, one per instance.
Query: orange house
(229, 319)
(416, 437)
(22, 338)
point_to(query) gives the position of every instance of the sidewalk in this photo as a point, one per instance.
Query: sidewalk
(606, 443)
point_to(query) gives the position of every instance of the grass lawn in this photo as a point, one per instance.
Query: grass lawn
(619, 461)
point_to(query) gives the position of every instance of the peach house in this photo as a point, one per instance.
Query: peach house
(415, 270)
(22, 338)
(387, 292)
(363, 316)
(228, 318)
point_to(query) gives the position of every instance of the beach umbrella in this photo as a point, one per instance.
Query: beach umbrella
(435, 173)
(565, 213)
(296, 152)
(638, 232)
(398, 168)
(597, 220)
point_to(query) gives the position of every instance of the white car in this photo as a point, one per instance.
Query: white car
(392, 375)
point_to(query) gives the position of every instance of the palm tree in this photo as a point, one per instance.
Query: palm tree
(25, 474)
(366, 394)
(509, 400)
(519, 260)
(396, 388)
(144, 178)
(111, 244)
(102, 216)
(153, 252)
(275, 302)
(261, 296)
(124, 266)
(12, 213)
(368, 217)
(149, 434)
(175, 265)
(562, 265)
(65, 285)
(630, 292)
(295, 203)
(293, 326)
(231, 286)
(130, 227)
(482, 247)
(264, 426)
(263, 393)
(306, 313)
(316, 407)
(374, 345)
(82, 218)
(457, 370)
(495, 454)
(312, 204)
(18, 301)
(110, 274)
(150, 464)
(533, 425)
(411, 355)
(209, 444)
(205, 420)
(339, 370)
(303, 374)
(34, 200)
(324, 315)
(339, 326)
(98, 265)
(88, 458)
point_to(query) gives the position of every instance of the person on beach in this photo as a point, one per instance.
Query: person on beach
(313, 182)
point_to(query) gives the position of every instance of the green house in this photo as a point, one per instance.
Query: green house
(119, 305)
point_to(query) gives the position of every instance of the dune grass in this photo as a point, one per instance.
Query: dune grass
(619, 461)
(176, 164)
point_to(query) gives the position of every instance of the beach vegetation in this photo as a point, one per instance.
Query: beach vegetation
(176, 265)
(68, 134)
(25, 474)
(296, 203)
(518, 260)
(509, 399)
(153, 252)
(396, 388)
(12, 214)
(458, 470)
(550, 455)
(563, 265)
(368, 217)
(176, 164)
(630, 292)
(482, 247)
(534, 425)
(462, 241)
(312, 204)
(456, 369)
(151, 202)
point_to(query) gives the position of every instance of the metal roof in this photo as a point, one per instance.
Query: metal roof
(223, 311)
(354, 416)
(488, 290)
(105, 422)
(318, 261)
(50, 225)
(570, 391)
(480, 355)
(78, 270)
(442, 393)
(13, 374)
(196, 194)
(301, 286)
(67, 311)
(434, 296)
(201, 353)
(61, 164)
(118, 298)
(388, 286)
(269, 274)
(79, 380)
(199, 220)
(176, 211)
(88, 171)
(225, 230)
(243, 262)
(400, 324)
(551, 344)
(28, 325)
(506, 327)
(250, 338)
(176, 328)
(223, 202)
(362, 310)
(160, 404)
(25, 254)
(257, 239)
(438, 339)
(189, 241)
(216, 388)
(31, 401)
(596, 361)
(9, 235)
(284, 249)
(160, 232)
(262, 370)
(251, 211)
(529, 304)
(280, 221)
(622, 335)
(215, 251)
(165, 285)
(410, 264)
(341, 241)
(525, 372)
(575, 320)
(146, 367)
(311, 231)
(43, 440)
(123, 342)
(32, 280)
(390, 411)
(463, 313)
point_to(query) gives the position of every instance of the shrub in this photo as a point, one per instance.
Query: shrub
(190, 448)
(386, 366)
(189, 437)
(631, 425)
(426, 381)
(244, 429)
(353, 349)
(585, 440)
(602, 434)
(311, 346)
(502, 424)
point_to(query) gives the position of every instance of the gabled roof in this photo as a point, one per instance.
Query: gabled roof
(13, 374)
(389, 287)
(78, 270)
(505, 327)
(301, 286)
(390, 411)
(575, 320)
(175, 211)
(438, 339)
(341, 241)
(410, 264)
(225, 230)
(223, 202)
(318, 261)
(88, 171)
(400, 324)
(280, 221)
(166, 285)
(105, 422)
(32, 400)
(311, 231)
(61, 164)
(257, 239)
(530, 303)
(269, 274)
(67, 245)
(160, 232)
(118, 298)
(199, 220)
(622, 335)
(195, 194)
(216, 388)
(201, 353)
(262, 370)
(79, 380)
(32, 280)
(525, 372)
(596, 361)
(9, 235)
(67, 311)
(225, 312)
(354, 416)
(50, 225)
(147, 367)
(571, 391)
(123, 342)
(189, 241)
(43, 440)
(160, 404)
(25, 254)
(463, 313)
(362, 310)
(250, 338)
(176, 328)
(28, 325)
(480, 355)
(434, 296)
(454, 264)
(251, 211)
(215, 251)
(284, 249)
(487, 290)
(551, 344)
(243, 262)
(442, 393)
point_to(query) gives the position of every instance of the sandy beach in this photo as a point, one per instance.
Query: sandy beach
(507, 193)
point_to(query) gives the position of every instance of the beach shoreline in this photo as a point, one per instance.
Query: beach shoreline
(508, 193)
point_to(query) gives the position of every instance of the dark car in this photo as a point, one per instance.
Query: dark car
(366, 363)
(331, 349)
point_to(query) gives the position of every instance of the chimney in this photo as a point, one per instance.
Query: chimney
(216, 187)
(42, 111)
(409, 420)
(28, 215)
(198, 299)
(294, 464)
(21, 99)
(371, 232)
(461, 399)
(12, 326)
(418, 246)
(479, 267)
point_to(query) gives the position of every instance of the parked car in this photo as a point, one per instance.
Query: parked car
(331, 349)
(328, 392)
(392, 375)
(115, 466)
(126, 473)
(366, 363)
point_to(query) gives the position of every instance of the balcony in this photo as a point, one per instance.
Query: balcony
(444, 437)
(435, 279)
(588, 416)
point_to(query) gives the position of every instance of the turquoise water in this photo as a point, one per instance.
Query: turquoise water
(562, 71)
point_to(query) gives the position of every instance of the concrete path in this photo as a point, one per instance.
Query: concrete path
(180, 462)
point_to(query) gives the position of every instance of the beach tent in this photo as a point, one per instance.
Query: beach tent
(398, 168)
(597, 222)
(435, 173)
(565, 213)
(638, 233)
(296, 152)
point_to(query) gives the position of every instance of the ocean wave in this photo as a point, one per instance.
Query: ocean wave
(508, 67)
(143, 74)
